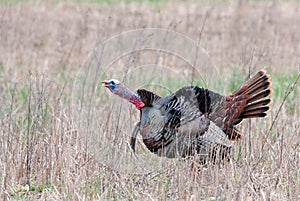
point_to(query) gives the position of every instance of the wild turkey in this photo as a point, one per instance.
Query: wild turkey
(195, 120)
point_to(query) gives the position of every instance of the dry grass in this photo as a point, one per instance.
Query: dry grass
(63, 138)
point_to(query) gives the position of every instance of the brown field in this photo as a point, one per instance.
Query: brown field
(64, 138)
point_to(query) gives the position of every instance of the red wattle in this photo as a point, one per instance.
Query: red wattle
(139, 105)
(137, 102)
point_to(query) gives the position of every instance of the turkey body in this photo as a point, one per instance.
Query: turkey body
(179, 125)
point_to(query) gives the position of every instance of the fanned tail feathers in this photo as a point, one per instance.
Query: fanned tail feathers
(258, 89)
(251, 100)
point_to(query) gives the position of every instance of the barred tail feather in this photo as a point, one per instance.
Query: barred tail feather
(256, 112)
(257, 104)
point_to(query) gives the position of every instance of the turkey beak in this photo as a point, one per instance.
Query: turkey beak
(105, 83)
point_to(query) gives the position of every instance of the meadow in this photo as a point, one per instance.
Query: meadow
(64, 137)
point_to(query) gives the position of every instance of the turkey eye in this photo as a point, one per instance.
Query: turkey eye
(112, 82)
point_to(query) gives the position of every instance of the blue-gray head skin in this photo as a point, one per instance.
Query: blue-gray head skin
(118, 88)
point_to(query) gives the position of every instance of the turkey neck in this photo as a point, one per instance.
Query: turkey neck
(131, 97)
